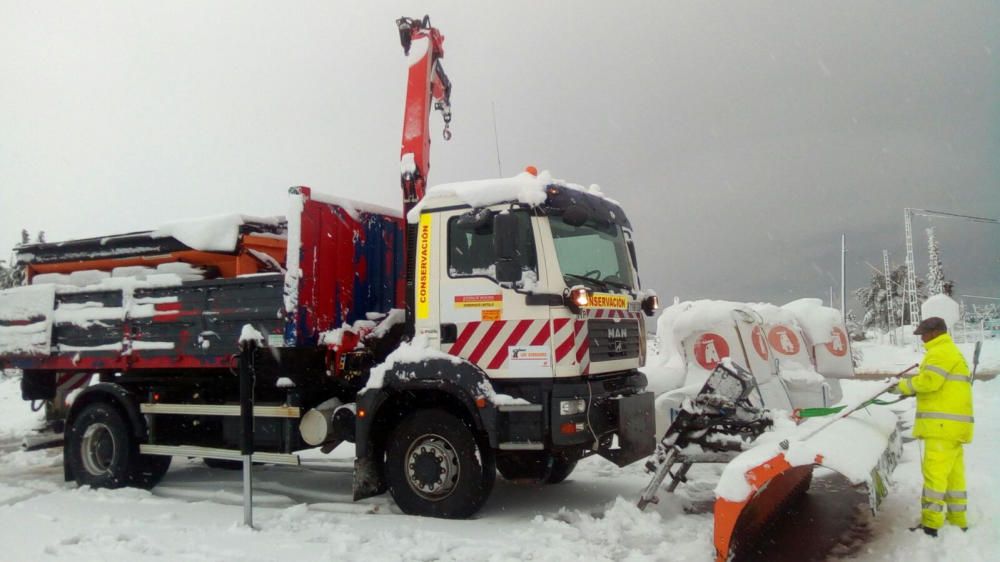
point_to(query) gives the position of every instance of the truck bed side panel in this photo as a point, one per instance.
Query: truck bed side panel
(351, 264)
(191, 325)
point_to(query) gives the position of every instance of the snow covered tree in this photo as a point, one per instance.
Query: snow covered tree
(10, 276)
(935, 274)
(854, 328)
(874, 298)
(982, 312)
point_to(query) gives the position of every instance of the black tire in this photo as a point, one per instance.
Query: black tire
(535, 466)
(149, 470)
(436, 467)
(100, 448)
(561, 469)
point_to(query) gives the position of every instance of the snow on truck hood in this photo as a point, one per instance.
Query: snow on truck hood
(523, 188)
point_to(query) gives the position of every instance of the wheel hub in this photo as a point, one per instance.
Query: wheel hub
(432, 467)
(97, 449)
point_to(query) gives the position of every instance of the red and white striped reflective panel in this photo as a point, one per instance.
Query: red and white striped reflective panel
(611, 313)
(487, 343)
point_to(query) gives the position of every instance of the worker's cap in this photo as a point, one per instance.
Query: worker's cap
(932, 324)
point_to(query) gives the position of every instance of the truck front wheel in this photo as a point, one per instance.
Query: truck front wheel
(435, 467)
(535, 466)
(99, 448)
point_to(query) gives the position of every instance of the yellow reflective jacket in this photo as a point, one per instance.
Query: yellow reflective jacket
(944, 393)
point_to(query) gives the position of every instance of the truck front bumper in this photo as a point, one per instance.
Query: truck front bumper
(616, 422)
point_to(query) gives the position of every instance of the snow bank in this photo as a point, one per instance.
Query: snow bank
(16, 417)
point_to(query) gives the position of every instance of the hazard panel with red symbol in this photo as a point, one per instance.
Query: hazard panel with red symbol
(759, 342)
(838, 345)
(783, 340)
(710, 350)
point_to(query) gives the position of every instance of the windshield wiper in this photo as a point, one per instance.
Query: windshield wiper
(617, 284)
(584, 278)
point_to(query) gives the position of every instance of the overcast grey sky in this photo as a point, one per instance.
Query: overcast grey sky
(742, 137)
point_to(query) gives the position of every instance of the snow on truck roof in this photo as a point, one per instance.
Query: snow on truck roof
(523, 188)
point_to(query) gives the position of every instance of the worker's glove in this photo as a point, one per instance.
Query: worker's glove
(895, 390)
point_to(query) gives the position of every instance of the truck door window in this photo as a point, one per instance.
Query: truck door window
(471, 253)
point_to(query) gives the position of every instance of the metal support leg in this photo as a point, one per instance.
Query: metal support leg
(246, 420)
(679, 477)
(649, 493)
(248, 491)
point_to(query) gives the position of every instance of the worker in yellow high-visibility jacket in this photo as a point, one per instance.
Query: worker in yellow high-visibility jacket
(944, 421)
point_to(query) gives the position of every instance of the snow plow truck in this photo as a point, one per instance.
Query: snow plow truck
(495, 325)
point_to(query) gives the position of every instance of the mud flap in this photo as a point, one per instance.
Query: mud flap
(636, 430)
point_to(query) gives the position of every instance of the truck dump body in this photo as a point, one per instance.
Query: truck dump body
(345, 263)
(96, 317)
(192, 324)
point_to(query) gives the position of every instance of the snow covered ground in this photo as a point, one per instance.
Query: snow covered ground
(195, 513)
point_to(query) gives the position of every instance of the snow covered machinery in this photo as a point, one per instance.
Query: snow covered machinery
(494, 325)
(771, 422)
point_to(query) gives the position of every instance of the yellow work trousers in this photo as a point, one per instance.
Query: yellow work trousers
(944, 484)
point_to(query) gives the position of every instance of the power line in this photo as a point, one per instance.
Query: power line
(911, 281)
(944, 214)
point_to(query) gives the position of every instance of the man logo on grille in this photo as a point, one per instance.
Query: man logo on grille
(617, 333)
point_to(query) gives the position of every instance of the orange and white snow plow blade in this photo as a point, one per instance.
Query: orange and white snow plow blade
(759, 483)
(738, 523)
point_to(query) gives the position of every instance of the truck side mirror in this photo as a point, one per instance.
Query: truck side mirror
(505, 244)
(505, 236)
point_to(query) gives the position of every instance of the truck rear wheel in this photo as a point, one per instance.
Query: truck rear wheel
(100, 449)
(102, 452)
(561, 469)
(435, 467)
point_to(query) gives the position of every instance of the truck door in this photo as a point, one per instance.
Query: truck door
(489, 324)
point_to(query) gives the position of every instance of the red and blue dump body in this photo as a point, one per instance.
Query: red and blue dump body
(351, 264)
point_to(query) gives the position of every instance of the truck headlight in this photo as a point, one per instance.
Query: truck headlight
(576, 299)
(570, 407)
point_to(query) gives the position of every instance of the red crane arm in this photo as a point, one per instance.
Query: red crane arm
(426, 82)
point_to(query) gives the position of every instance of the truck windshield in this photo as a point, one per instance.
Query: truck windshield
(592, 254)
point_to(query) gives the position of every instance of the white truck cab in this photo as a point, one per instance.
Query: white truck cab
(529, 287)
